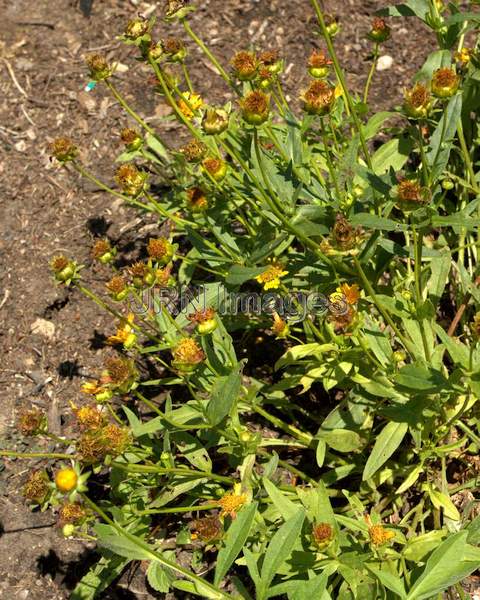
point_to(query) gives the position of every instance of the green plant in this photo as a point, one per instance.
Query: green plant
(339, 460)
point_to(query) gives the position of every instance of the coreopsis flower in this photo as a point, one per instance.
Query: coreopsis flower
(322, 534)
(216, 168)
(37, 488)
(255, 107)
(379, 536)
(280, 328)
(98, 66)
(117, 288)
(131, 181)
(445, 82)
(66, 480)
(136, 28)
(194, 151)
(187, 355)
(64, 269)
(125, 334)
(92, 387)
(215, 121)
(318, 98)
(131, 138)
(189, 103)
(318, 64)
(351, 293)
(380, 31)
(410, 194)
(143, 274)
(63, 149)
(31, 422)
(244, 65)
(88, 417)
(207, 529)
(269, 59)
(230, 504)
(174, 49)
(103, 251)
(196, 199)
(204, 320)
(270, 279)
(417, 101)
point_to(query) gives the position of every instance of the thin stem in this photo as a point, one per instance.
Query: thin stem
(417, 248)
(25, 455)
(187, 77)
(135, 468)
(467, 158)
(176, 509)
(303, 437)
(128, 109)
(370, 74)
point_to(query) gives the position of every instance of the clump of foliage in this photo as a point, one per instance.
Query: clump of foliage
(326, 445)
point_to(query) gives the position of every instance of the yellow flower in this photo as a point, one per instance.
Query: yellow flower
(66, 479)
(464, 56)
(351, 293)
(92, 387)
(124, 333)
(189, 103)
(231, 503)
(270, 278)
(280, 328)
(379, 535)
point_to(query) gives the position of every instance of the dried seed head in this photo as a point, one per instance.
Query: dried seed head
(322, 534)
(174, 49)
(160, 249)
(90, 447)
(117, 288)
(215, 167)
(380, 32)
(119, 370)
(187, 355)
(445, 82)
(344, 235)
(63, 149)
(411, 194)
(89, 417)
(197, 199)
(130, 179)
(99, 67)
(318, 64)
(255, 107)
(131, 138)
(65, 270)
(319, 98)
(37, 487)
(417, 101)
(205, 320)
(31, 422)
(207, 529)
(71, 512)
(103, 251)
(136, 28)
(215, 121)
(194, 151)
(244, 65)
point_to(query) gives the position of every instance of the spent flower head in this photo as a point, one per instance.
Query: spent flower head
(417, 101)
(103, 251)
(37, 489)
(194, 151)
(98, 66)
(380, 31)
(244, 65)
(205, 320)
(131, 181)
(32, 421)
(319, 64)
(131, 138)
(216, 168)
(187, 355)
(63, 149)
(255, 107)
(322, 534)
(174, 49)
(160, 250)
(215, 121)
(318, 98)
(196, 199)
(445, 82)
(117, 288)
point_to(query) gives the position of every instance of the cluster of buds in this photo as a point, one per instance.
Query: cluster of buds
(31, 422)
(174, 49)
(131, 138)
(131, 181)
(215, 121)
(98, 66)
(187, 355)
(204, 320)
(216, 168)
(318, 98)
(410, 194)
(63, 149)
(271, 278)
(65, 270)
(255, 107)
(104, 252)
(318, 64)
(380, 31)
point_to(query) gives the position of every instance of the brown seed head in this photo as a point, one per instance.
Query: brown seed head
(172, 46)
(63, 149)
(268, 57)
(159, 249)
(244, 65)
(196, 198)
(194, 151)
(130, 179)
(207, 529)
(344, 234)
(100, 248)
(200, 316)
(318, 59)
(318, 98)
(116, 285)
(138, 269)
(129, 136)
(89, 417)
(322, 533)
(71, 512)
(31, 421)
(119, 370)
(98, 65)
(115, 439)
(188, 352)
(37, 487)
(213, 165)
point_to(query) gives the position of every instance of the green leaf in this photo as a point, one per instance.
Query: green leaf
(389, 580)
(441, 500)
(445, 567)
(311, 589)
(225, 392)
(236, 536)
(440, 269)
(411, 8)
(120, 545)
(320, 452)
(375, 222)
(342, 440)
(159, 578)
(420, 378)
(279, 549)
(285, 507)
(156, 145)
(387, 442)
(435, 60)
(419, 547)
(441, 142)
(391, 155)
(99, 577)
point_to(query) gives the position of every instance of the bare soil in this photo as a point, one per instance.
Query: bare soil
(51, 338)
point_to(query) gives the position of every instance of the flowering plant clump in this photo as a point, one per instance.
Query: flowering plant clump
(303, 420)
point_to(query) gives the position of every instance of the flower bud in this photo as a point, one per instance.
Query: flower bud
(399, 356)
(103, 251)
(244, 65)
(255, 107)
(142, 274)
(380, 32)
(417, 102)
(447, 184)
(64, 270)
(215, 167)
(99, 67)
(131, 138)
(445, 82)
(130, 179)
(187, 355)
(215, 121)
(63, 149)
(318, 64)
(319, 98)
(332, 25)
(66, 480)
(270, 61)
(205, 321)
(174, 49)
(322, 535)
(160, 249)
(68, 530)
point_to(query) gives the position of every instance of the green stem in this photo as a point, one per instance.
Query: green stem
(135, 468)
(177, 509)
(128, 109)
(303, 437)
(473, 436)
(417, 249)
(370, 74)
(202, 583)
(328, 158)
(187, 78)
(467, 158)
(11, 454)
